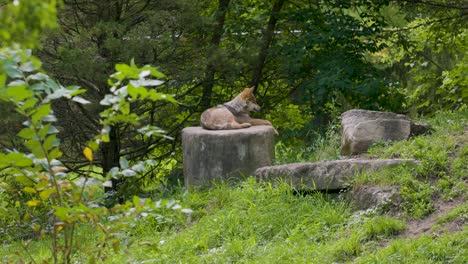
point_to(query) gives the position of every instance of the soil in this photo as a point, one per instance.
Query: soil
(415, 228)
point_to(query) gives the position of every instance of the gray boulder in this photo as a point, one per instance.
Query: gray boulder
(326, 175)
(223, 154)
(362, 128)
(367, 197)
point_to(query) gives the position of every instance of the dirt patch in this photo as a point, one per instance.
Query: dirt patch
(415, 228)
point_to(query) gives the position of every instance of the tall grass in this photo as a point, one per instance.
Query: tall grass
(324, 147)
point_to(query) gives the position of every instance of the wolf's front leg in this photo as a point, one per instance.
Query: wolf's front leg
(259, 122)
(236, 125)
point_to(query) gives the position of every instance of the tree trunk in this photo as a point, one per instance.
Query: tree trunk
(110, 158)
(267, 38)
(210, 71)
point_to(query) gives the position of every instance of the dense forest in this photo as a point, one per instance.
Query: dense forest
(102, 89)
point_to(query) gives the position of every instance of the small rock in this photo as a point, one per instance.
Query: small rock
(367, 197)
(418, 128)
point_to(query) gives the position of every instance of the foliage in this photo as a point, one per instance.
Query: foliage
(427, 55)
(317, 60)
(23, 22)
(39, 199)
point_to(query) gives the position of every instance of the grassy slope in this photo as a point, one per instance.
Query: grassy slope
(262, 223)
(255, 223)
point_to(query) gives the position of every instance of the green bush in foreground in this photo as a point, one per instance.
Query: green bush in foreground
(40, 202)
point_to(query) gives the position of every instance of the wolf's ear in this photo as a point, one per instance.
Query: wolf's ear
(246, 93)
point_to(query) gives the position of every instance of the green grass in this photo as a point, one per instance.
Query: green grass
(251, 222)
(256, 223)
(459, 212)
(324, 147)
(448, 248)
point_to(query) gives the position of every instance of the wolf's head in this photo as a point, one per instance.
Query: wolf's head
(250, 102)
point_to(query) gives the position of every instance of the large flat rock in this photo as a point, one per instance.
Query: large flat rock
(327, 175)
(210, 155)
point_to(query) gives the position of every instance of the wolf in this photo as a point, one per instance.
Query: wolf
(234, 114)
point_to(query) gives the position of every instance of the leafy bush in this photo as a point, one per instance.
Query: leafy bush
(38, 193)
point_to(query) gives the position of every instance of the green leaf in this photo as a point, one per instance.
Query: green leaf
(12, 70)
(49, 118)
(28, 67)
(157, 74)
(136, 200)
(42, 133)
(37, 77)
(26, 133)
(45, 194)
(62, 213)
(93, 145)
(19, 92)
(28, 104)
(132, 91)
(50, 142)
(41, 112)
(3, 78)
(155, 96)
(123, 68)
(24, 180)
(19, 160)
(35, 147)
(146, 83)
(105, 137)
(123, 163)
(52, 130)
(80, 100)
(76, 90)
(29, 190)
(125, 108)
(55, 153)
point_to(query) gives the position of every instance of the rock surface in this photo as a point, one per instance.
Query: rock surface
(361, 128)
(327, 175)
(367, 197)
(223, 154)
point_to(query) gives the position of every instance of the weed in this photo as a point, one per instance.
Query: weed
(417, 199)
(382, 227)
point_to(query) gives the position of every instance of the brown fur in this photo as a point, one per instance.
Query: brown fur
(233, 114)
